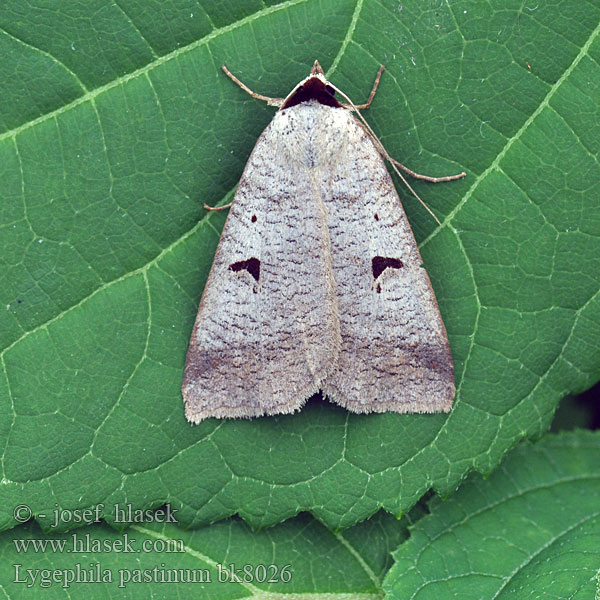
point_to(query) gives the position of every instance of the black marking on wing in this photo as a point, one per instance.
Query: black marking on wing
(252, 265)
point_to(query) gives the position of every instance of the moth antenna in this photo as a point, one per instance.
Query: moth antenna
(387, 156)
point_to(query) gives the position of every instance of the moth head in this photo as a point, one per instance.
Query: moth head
(314, 87)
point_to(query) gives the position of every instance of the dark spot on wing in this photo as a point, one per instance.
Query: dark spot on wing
(252, 265)
(380, 263)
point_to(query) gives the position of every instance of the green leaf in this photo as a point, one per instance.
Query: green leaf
(117, 125)
(300, 557)
(532, 530)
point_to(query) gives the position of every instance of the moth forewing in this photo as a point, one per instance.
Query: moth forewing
(267, 326)
(395, 354)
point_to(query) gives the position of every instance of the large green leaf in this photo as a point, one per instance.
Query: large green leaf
(118, 125)
(532, 530)
(300, 557)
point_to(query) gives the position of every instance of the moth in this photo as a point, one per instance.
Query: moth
(317, 282)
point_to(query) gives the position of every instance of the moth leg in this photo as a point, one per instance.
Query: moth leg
(267, 99)
(375, 86)
(426, 177)
(217, 208)
(395, 164)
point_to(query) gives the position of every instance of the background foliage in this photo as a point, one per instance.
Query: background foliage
(116, 125)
